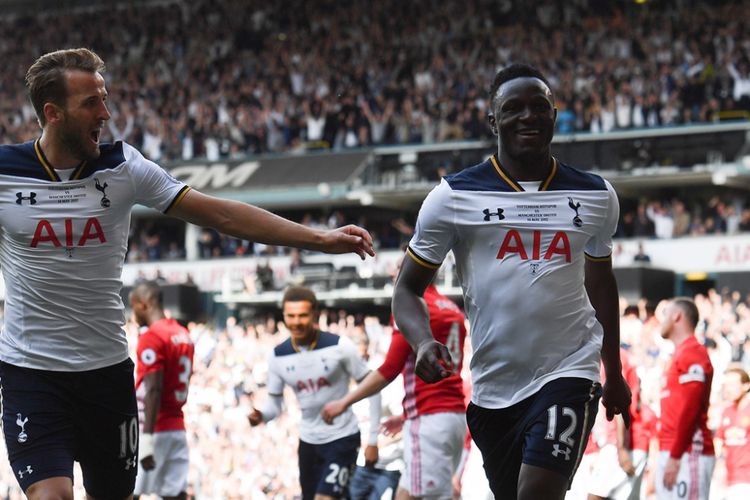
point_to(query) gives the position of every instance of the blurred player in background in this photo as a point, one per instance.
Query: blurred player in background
(378, 468)
(623, 452)
(686, 450)
(734, 433)
(164, 364)
(67, 379)
(435, 425)
(318, 366)
(532, 239)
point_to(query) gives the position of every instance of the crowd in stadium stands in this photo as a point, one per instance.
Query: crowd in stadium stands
(231, 460)
(673, 218)
(224, 78)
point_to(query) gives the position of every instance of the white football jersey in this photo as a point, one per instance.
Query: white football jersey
(318, 376)
(62, 247)
(520, 261)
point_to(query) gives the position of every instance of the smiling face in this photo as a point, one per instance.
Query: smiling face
(523, 117)
(79, 123)
(300, 318)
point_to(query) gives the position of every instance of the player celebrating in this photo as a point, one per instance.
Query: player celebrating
(734, 432)
(686, 450)
(435, 424)
(67, 380)
(318, 366)
(532, 241)
(164, 365)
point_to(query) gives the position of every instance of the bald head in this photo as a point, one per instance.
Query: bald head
(146, 300)
(147, 291)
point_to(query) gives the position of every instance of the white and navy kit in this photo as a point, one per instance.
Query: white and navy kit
(317, 375)
(519, 258)
(520, 261)
(62, 248)
(65, 368)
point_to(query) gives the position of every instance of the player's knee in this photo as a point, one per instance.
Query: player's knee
(535, 483)
(51, 489)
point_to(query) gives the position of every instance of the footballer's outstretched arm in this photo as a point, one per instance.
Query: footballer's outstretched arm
(252, 223)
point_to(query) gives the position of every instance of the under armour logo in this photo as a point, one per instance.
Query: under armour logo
(534, 267)
(131, 463)
(22, 473)
(577, 222)
(31, 198)
(561, 451)
(105, 201)
(289, 369)
(488, 214)
(21, 422)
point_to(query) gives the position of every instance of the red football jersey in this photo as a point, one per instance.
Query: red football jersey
(167, 346)
(447, 324)
(684, 401)
(605, 431)
(734, 430)
(638, 432)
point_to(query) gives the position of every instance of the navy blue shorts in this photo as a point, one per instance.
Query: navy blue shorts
(51, 419)
(549, 430)
(326, 468)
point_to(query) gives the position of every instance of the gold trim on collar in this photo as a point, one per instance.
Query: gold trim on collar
(552, 172)
(43, 160)
(310, 347)
(514, 184)
(78, 171)
(507, 178)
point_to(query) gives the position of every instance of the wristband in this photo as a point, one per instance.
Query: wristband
(145, 446)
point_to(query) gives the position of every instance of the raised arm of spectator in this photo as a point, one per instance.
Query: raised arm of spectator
(252, 223)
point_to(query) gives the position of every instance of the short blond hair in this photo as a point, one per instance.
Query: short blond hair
(45, 79)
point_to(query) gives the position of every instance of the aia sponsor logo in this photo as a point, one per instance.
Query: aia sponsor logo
(59, 235)
(513, 244)
(311, 385)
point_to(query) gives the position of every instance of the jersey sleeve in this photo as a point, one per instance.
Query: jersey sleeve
(274, 384)
(600, 244)
(395, 359)
(153, 185)
(151, 355)
(355, 365)
(435, 231)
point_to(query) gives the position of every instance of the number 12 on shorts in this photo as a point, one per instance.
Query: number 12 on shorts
(565, 437)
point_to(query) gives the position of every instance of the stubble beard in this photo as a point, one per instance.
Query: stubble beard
(74, 144)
